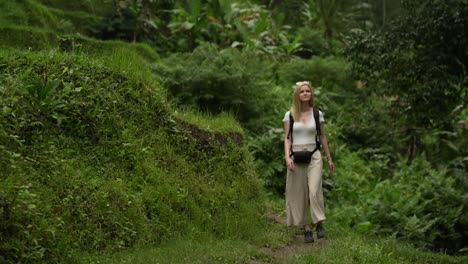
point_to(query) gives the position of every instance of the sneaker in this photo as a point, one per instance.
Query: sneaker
(320, 231)
(308, 238)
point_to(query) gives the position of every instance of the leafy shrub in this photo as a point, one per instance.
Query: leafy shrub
(216, 80)
(346, 187)
(372, 129)
(313, 43)
(26, 234)
(419, 60)
(417, 203)
(267, 147)
(450, 143)
(421, 205)
(317, 70)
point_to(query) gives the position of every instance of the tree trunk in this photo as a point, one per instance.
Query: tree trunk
(384, 13)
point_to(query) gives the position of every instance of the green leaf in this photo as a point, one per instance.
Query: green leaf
(364, 226)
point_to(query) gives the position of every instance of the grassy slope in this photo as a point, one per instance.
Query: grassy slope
(94, 160)
(95, 153)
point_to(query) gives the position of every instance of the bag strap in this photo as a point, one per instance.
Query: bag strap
(317, 126)
(290, 134)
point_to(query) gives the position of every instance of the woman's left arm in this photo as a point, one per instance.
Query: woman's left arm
(326, 149)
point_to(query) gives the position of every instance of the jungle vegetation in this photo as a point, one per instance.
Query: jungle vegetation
(131, 123)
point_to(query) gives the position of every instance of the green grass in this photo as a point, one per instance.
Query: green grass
(343, 245)
(224, 122)
(348, 246)
(38, 27)
(12, 13)
(185, 251)
(98, 7)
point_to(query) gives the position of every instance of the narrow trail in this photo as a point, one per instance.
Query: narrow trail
(294, 247)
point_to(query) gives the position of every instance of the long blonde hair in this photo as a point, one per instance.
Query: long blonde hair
(296, 107)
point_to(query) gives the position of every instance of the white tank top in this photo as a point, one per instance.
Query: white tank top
(304, 133)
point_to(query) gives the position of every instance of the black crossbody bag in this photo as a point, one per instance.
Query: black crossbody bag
(304, 157)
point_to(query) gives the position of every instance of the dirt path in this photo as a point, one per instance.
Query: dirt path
(295, 246)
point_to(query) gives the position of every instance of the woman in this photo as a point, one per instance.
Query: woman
(304, 181)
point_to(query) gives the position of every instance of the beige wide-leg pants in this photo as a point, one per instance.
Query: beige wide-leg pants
(304, 191)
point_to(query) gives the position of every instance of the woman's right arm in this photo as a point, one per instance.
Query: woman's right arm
(287, 147)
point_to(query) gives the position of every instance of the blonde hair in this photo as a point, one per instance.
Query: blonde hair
(296, 107)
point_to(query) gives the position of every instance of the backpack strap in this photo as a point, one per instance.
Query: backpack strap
(317, 126)
(290, 134)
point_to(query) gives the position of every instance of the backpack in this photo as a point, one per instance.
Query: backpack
(317, 136)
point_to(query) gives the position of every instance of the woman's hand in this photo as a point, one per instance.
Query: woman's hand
(290, 164)
(331, 166)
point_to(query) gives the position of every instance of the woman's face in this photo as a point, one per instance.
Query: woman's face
(304, 93)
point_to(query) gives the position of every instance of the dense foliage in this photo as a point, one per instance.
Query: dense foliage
(419, 64)
(215, 80)
(94, 159)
